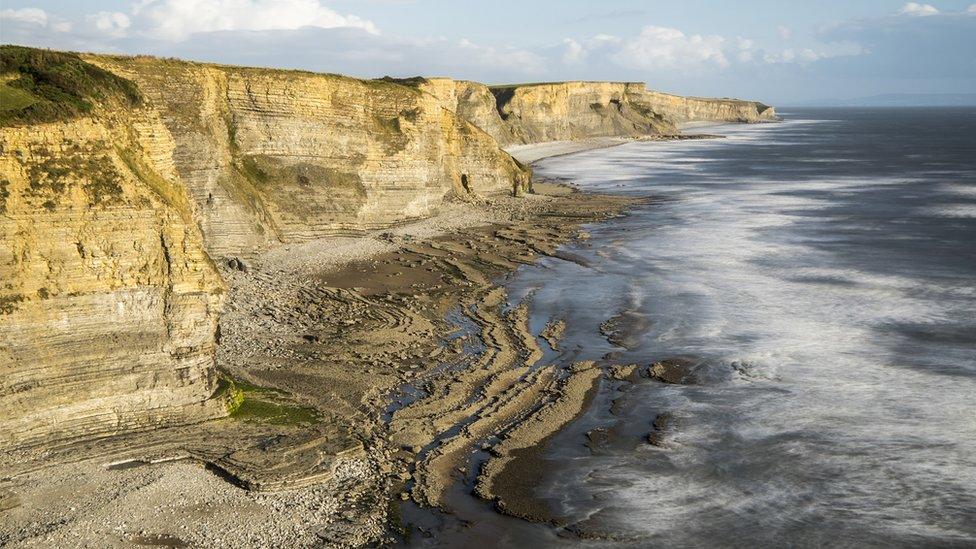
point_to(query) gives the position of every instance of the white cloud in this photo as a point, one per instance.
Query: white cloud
(971, 9)
(785, 56)
(745, 46)
(664, 48)
(574, 52)
(111, 23)
(789, 55)
(522, 61)
(784, 32)
(919, 10)
(178, 19)
(28, 19)
(33, 16)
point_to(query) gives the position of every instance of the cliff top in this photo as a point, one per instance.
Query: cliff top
(46, 86)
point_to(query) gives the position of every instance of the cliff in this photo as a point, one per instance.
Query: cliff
(121, 177)
(108, 303)
(683, 110)
(475, 103)
(567, 111)
(283, 156)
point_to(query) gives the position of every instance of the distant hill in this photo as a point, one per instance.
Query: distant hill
(898, 100)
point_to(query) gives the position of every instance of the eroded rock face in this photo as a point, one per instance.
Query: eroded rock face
(566, 111)
(110, 221)
(109, 297)
(285, 156)
(473, 102)
(682, 110)
(108, 303)
(576, 110)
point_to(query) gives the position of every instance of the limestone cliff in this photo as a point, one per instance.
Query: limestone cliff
(108, 303)
(475, 103)
(535, 113)
(576, 110)
(282, 156)
(120, 178)
(682, 110)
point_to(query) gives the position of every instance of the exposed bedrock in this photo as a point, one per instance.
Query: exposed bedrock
(683, 110)
(284, 156)
(108, 302)
(124, 179)
(118, 192)
(563, 111)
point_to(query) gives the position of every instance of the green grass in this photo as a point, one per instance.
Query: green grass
(99, 178)
(412, 82)
(171, 194)
(47, 86)
(8, 303)
(15, 99)
(249, 402)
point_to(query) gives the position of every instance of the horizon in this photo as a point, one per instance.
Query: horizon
(781, 56)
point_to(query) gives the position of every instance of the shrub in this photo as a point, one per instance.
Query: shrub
(46, 86)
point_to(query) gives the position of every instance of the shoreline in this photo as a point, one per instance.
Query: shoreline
(318, 337)
(366, 319)
(534, 152)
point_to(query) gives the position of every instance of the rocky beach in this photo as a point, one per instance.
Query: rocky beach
(329, 335)
(226, 322)
(423, 275)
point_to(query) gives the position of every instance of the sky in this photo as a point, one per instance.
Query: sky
(782, 52)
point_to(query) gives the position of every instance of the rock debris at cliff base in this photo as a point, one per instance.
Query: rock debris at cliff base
(336, 325)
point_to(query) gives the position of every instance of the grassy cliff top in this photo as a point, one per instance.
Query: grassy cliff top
(47, 86)
(533, 84)
(161, 65)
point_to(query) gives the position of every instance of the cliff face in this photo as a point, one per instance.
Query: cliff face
(111, 209)
(108, 303)
(120, 179)
(566, 111)
(576, 110)
(273, 156)
(475, 103)
(682, 110)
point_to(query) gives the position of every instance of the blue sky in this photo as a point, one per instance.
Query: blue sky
(778, 51)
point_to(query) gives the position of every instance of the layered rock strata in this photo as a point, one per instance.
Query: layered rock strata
(108, 302)
(566, 111)
(110, 211)
(109, 218)
(683, 110)
(285, 156)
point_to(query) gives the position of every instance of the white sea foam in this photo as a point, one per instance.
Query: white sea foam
(821, 413)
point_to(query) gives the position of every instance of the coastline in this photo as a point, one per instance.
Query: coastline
(534, 152)
(387, 302)
(323, 334)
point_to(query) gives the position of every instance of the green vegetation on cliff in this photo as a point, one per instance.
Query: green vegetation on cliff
(249, 402)
(47, 86)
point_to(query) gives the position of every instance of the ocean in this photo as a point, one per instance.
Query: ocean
(821, 274)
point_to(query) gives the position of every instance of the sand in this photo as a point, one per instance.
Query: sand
(534, 152)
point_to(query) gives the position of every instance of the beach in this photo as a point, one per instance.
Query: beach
(368, 367)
